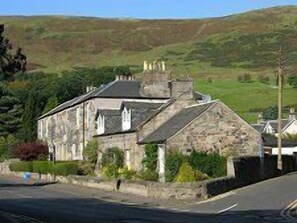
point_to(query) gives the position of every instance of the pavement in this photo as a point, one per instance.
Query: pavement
(274, 200)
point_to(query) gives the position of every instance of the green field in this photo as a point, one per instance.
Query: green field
(242, 97)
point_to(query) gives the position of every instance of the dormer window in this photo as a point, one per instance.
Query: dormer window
(100, 124)
(126, 119)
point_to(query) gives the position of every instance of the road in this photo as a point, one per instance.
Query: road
(262, 202)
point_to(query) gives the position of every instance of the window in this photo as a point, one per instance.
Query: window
(126, 119)
(100, 121)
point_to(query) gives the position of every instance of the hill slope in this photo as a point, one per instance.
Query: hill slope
(242, 41)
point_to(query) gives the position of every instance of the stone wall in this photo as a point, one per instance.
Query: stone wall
(217, 130)
(171, 110)
(126, 142)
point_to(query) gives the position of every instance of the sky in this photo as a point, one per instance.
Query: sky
(150, 9)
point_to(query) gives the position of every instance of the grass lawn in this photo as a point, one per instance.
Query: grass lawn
(242, 97)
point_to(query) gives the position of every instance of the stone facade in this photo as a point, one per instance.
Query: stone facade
(168, 112)
(127, 142)
(217, 130)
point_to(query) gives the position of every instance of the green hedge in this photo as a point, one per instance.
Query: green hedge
(66, 169)
(45, 167)
(21, 166)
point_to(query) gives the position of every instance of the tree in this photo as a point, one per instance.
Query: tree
(28, 119)
(10, 63)
(8, 146)
(292, 80)
(90, 151)
(10, 111)
(270, 113)
(51, 104)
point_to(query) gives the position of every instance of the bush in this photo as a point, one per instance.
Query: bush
(292, 80)
(200, 175)
(150, 159)
(148, 175)
(113, 156)
(8, 146)
(45, 167)
(42, 167)
(212, 164)
(66, 169)
(110, 171)
(21, 166)
(174, 161)
(32, 151)
(90, 151)
(86, 168)
(126, 173)
(185, 173)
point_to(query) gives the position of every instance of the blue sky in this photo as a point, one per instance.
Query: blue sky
(136, 8)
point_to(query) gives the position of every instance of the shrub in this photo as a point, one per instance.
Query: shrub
(148, 175)
(126, 173)
(113, 156)
(32, 151)
(200, 175)
(150, 159)
(212, 164)
(174, 161)
(90, 151)
(185, 173)
(292, 80)
(66, 169)
(8, 146)
(42, 167)
(21, 166)
(86, 168)
(110, 171)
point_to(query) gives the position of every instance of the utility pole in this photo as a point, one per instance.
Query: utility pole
(280, 104)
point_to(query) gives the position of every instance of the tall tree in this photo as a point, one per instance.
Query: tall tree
(28, 119)
(10, 63)
(10, 111)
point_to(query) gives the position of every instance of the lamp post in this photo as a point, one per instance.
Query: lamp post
(280, 103)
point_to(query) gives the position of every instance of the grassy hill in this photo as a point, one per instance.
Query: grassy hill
(221, 48)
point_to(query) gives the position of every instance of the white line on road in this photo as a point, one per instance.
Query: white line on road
(285, 213)
(24, 196)
(227, 209)
(217, 197)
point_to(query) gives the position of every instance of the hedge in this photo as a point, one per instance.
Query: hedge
(45, 167)
(21, 166)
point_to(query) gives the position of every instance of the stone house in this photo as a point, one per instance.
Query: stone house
(128, 114)
(289, 125)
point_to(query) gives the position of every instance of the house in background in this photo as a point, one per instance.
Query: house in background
(128, 114)
(271, 147)
(289, 125)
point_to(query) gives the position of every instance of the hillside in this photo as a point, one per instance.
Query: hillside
(242, 41)
(220, 48)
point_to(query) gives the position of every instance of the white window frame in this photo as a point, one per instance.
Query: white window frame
(126, 119)
(41, 129)
(100, 124)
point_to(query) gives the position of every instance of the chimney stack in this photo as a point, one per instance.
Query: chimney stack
(292, 115)
(260, 118)
(145, 65)
(163, 66)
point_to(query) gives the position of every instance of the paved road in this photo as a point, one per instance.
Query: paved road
(261, 202)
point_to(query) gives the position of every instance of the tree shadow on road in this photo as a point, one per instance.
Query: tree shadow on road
(56, 210)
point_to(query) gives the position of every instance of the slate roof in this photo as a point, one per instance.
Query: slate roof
(259, 127)
(274, 124)
(115, 89)
(271, 141)
(139, 113)
(176, 123)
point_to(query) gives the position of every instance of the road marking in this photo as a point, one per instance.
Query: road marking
(227, 209)
(24, 196)
(217, 197)
(286, 212)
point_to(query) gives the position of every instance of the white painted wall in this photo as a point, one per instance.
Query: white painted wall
(292, 129)
(285, 150)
